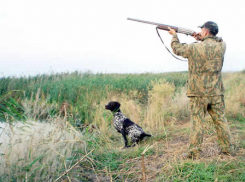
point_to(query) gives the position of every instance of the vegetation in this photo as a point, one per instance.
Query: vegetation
(83, 90)
(69, 135)
(10, 109)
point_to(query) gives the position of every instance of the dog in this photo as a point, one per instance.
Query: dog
(125, 126)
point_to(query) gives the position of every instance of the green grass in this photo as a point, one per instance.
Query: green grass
(59, 86)
(10, 109)
(208, 171)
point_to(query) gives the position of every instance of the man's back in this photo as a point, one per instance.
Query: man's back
(205, 65)
(205, 61)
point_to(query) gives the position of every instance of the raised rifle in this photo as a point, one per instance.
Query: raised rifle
(165, 27)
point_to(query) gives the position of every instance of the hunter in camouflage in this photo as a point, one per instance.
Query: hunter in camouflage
(205, 86)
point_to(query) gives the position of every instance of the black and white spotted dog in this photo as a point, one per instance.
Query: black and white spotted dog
(125, 126)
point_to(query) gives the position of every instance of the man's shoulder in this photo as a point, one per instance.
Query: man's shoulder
(195, 44)
(204, 43)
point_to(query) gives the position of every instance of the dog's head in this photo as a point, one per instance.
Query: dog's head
(113, 106)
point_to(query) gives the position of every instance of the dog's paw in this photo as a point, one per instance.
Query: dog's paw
(135, 144)
(126, 147)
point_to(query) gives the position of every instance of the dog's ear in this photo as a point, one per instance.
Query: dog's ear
(112, 104)
(117, 105)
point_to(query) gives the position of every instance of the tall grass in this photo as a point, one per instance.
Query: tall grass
(83, 90)
(160, 97)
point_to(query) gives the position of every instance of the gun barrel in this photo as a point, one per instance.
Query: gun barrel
(165, 27)
(142, 21)
(161, 26)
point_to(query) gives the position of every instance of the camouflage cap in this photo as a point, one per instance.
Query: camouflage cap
(211, 26)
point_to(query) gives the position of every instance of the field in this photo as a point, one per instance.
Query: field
(69, 136)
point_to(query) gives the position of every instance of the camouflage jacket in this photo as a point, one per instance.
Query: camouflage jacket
(205, 62)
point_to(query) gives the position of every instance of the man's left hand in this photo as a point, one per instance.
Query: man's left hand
(171, 31)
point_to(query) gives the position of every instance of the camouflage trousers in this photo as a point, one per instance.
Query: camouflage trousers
(216, 108)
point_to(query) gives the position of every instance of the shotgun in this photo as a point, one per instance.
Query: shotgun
(165, 27)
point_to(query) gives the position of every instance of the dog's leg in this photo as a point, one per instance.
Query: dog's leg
(125, 139)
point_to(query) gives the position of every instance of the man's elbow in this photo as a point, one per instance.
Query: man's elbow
(177, 52)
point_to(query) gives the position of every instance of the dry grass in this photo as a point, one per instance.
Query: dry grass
(37, 107)
(34, 145)
(159, 99)
(235, 96)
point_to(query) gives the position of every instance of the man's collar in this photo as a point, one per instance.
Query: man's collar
(209, 36)
(217, 39)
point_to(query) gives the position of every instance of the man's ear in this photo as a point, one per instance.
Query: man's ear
(206, 33)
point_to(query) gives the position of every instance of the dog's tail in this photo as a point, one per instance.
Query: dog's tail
(143, 135)
(148, 135)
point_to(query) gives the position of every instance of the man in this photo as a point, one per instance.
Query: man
(205, 86)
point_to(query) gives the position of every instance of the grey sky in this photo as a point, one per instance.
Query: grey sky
(44, 36)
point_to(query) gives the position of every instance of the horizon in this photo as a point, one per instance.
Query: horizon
(98, 73)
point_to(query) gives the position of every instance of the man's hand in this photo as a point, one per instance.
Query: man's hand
(171, 31)
(198, 36)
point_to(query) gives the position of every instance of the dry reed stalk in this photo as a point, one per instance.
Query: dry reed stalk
(143, 162)
(74, 165)
(143, 167)
(92, 164)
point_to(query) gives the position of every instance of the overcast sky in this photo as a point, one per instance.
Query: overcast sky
(45, 36)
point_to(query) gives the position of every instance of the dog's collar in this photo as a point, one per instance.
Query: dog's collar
(117, 110)
(117, 113)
